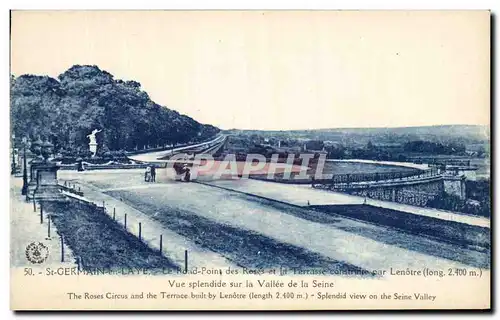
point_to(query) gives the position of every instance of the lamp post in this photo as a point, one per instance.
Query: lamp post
(13, 165)
(36, 149)
(24, 190)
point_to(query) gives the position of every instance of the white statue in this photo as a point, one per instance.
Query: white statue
(93, 142)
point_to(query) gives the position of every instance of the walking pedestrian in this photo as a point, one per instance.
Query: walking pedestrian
(147, 174)
(153, 173)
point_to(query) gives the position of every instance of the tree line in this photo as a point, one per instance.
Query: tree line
(65, 110)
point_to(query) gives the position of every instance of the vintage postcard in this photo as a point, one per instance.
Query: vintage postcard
(250, 160)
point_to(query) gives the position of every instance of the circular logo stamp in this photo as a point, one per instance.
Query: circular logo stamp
(37, 252)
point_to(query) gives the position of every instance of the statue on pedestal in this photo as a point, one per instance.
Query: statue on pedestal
(93, 142)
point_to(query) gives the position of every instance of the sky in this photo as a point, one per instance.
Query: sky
(277, 70)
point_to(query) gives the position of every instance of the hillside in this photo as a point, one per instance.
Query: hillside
(65, 110)
(467, 134)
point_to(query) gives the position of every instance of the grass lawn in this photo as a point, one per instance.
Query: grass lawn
(244, 247)
(455, 232)
(101, 242)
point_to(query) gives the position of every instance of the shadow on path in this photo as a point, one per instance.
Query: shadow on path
(334, 215)
(243, 247)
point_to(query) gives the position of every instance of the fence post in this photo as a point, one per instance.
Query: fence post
(62, 248)
(161, 243)
(185, 260)
(41, 213)
(82, 263)
(34, 203)
(48, 228)
(114, 214)
(140, 231)
(125, 224)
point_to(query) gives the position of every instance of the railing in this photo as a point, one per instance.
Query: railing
(374, 176)
(169, 147)
(88, 167)
(197, 148)
(351, 178)
(442, 162)
(345, 180)
(70, 189)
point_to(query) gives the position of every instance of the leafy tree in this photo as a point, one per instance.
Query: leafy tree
(83, 98)
(314, 145)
